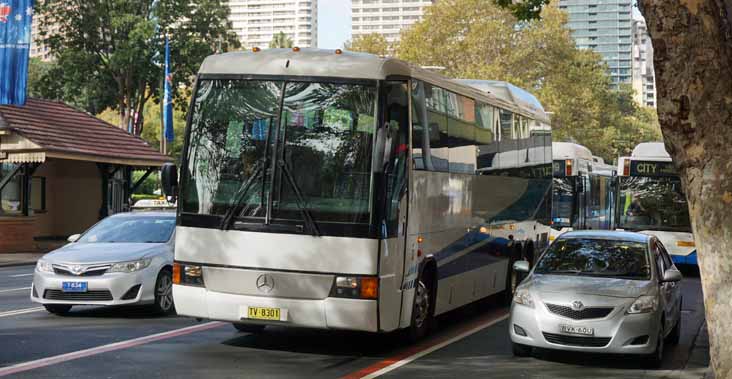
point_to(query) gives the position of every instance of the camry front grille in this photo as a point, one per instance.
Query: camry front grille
(584, 314)
(78, 296)
(95, 270)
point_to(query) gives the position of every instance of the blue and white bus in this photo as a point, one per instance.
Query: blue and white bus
(652, 201)
(584, 193)
(338, 190)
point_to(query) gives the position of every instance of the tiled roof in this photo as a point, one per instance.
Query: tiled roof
(57, 127)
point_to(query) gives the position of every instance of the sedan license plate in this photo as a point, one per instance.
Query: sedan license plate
(582, 330)
(74, 286)
(261, 313)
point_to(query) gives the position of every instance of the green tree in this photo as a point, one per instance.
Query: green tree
(373, 43)
(152, 122)
(479, 40)
(280, 41)
(109, 52)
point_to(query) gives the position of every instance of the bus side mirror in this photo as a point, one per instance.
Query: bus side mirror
(169, 179)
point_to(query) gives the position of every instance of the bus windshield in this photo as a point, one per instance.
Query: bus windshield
(653, 203)
(321, 135)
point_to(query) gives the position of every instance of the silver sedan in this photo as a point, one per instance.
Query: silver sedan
(600, 292)
(123, 259)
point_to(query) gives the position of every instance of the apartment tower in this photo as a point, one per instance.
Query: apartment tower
(257, 21)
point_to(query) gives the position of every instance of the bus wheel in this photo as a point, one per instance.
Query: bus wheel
(422, 316)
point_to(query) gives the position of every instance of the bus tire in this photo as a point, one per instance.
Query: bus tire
(423, 305)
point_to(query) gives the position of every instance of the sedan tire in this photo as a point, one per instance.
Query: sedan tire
(58, 309)
(655, 359)
(164, 293)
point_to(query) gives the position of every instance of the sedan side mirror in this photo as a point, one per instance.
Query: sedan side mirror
(74, 237)
(671, 275)
(169, 180)
(521, 266)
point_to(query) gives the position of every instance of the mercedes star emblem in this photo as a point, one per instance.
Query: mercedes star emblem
(265, 283)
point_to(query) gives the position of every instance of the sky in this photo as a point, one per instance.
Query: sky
(334, 23)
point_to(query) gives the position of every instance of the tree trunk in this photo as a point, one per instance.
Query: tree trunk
(692, 54)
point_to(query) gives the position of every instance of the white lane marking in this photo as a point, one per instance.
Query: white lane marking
(43, 362)
(15, 289)
(20, 311)
(438, 346)
(19, 275)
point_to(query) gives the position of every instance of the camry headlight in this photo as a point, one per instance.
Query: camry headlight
(131, 266)
(643, 304)
(43, 266)
(523, 297)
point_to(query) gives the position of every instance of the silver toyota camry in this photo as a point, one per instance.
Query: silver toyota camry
(123, 259)
(601, 292)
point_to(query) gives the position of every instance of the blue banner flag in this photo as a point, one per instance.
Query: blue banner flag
(15, 40)
(168, 96)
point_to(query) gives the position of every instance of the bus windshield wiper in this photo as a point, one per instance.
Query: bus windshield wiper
(239, 197)
(300, 200)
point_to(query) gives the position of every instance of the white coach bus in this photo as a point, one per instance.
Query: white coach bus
(337, 190)
(583, 194)
(652, 201)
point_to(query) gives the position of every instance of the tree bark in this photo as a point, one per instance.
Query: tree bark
(692, 44)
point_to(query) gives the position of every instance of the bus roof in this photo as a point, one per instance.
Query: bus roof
(568, 150)
(652, 150)
(508, 92)
(351, 65)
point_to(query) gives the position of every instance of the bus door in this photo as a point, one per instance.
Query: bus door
(392, 155)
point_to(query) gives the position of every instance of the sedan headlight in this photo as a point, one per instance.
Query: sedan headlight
(643, 304)
(131, 266)
(523, 297)
(43, 266)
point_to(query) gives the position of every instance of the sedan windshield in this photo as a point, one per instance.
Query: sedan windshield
(653, 203)
(143, 229)
(596, 257)
(283, 150)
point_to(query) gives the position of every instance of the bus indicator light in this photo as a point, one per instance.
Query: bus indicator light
(338, 51)
(369, 288)
(626, 167)
(420, 239)
(296, 49)
(568, 168)
(176, 273)
(256, 49)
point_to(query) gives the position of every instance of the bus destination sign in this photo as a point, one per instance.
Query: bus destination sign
(648, 168)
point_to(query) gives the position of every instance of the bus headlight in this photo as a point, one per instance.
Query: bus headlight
(356, 287)
(187, 275)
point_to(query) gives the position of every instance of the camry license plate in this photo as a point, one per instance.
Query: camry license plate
(74, 286)
(582, 330)
(261, 313)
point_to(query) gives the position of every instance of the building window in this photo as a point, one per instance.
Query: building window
(11, 194)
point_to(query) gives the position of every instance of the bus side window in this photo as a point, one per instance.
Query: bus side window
(486, 138)
(508, 146)
(461, 125)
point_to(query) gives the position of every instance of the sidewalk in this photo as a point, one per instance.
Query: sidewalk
(697, 367)
(19, 259)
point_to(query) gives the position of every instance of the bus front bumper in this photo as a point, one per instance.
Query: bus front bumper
(328, 313)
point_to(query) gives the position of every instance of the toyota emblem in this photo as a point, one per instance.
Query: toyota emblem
(77, 269)
(265, 283)
(578, 306)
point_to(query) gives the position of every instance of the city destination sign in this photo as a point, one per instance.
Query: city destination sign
(648, 168)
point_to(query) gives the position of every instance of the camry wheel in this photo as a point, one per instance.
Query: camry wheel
(58, 309)
(164, 293)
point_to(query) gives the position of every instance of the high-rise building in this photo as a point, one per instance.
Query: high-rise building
(385, 17)
(38, 49)
(257, 21)
(604, 26)
(644, 76)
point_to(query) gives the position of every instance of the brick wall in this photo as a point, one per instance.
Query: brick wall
(16, 234)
